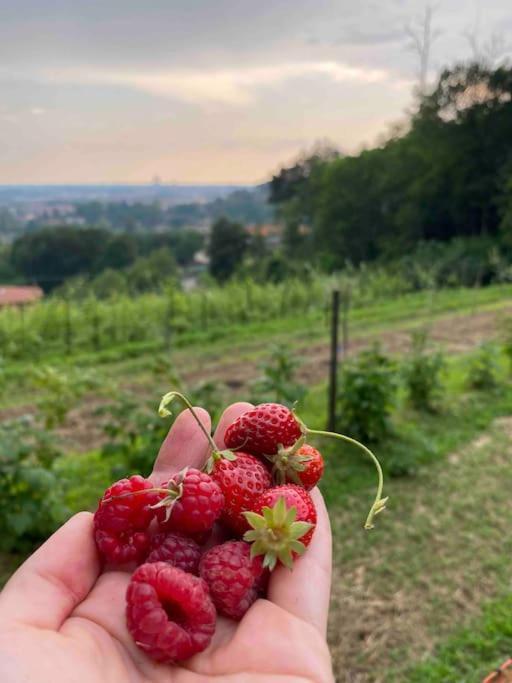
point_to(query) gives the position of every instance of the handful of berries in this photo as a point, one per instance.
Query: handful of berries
(256, 494)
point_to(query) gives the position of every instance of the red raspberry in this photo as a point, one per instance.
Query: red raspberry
(177, 550)
(169, 613)
(193, 504)
(122, 519)
(234, 580)
(241, 480)
(263, 429)
(283, 521)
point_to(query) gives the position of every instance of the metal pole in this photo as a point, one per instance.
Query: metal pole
(333, 366)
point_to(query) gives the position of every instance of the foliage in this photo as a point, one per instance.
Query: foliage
(52, 255)
(278, 383)
(367, 393)
(30, 507)
(60, 392)
(422, 374)
(506, 334)
(445, 175)
(483, 369)
(228, 244)
(135, 431)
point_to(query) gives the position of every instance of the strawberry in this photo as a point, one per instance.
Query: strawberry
(263, 430)
(241, 478)
(304, 466)
(283, 520)
(273, 431)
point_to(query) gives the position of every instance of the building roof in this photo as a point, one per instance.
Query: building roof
(12, 295)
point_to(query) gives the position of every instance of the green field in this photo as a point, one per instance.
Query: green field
(425, 595)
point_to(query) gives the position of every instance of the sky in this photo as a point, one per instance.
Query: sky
(211, 91)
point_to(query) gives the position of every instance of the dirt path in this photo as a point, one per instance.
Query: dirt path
(455, 333)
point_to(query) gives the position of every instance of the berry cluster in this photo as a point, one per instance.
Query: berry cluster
(256, 495)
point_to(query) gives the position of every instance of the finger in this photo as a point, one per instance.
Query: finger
(305, 590)
(55, 579)
(185, 446)
(229, 416)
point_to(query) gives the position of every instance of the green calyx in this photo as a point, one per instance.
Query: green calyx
(216, 456)
(275, 534)
(287, 463)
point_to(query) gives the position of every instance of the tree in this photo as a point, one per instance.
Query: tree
(184, 244)
(228, 244)
(151, 272)
(120, 251)
(109, 283)
(52, 255)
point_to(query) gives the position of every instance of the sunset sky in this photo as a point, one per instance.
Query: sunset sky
(198, 91)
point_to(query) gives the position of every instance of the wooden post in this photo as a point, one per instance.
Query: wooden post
(333, 366)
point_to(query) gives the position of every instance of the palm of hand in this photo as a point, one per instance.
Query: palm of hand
(62, 621)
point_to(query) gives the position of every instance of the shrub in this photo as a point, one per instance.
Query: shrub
(506, 334)
(483, 369)
(30, 503)
(422, 374)
(278, 383)
(365, 402)
(135, 433)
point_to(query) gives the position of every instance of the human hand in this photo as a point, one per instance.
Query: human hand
(61, 620)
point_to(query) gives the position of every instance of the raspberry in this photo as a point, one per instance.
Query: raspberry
(193, 503)
(177, 550)
(121, 520)
(169, 613)
(263, 429)
(234, 579)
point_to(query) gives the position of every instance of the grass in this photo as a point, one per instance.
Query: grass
(470, 653)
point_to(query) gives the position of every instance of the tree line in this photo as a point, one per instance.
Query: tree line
(445, 177)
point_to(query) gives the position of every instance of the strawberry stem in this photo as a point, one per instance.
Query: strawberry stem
(163, 411)
(379, 503)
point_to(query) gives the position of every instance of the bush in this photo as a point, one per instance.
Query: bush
(368, 389)
(135, 433)
(30, 504)
(483, 369)
(422, 374)
(278, 383)
(506, 334)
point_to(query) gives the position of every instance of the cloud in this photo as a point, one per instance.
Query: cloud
(37, 111)
(225, 86)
